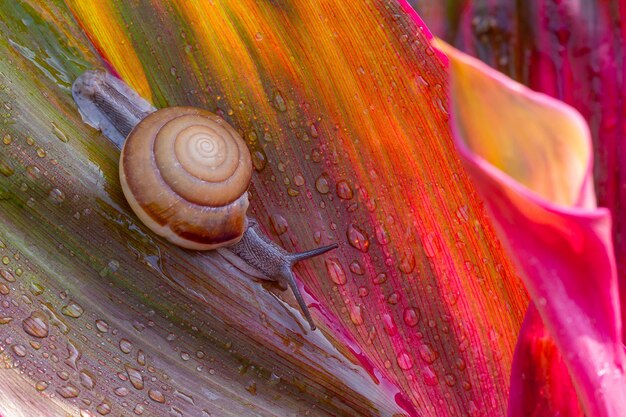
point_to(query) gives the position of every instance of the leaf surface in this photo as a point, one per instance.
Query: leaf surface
(343, 109)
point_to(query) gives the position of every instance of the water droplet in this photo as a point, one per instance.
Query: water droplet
(59, 133)
(135, 377)
(380, 278)
(8, 276)
(411, 316)
(356, 315)
(103, 409)
(185, 356)
(111, 267)
(36, 289)
(358, 238)
(357, 268)
(141, 357)
(68, 391)
(279, 102)
(363, 291)
(279, 224)
(87, 379)
(427, 354)
(430, 377)
(344, 191)
(321, 184)
(450, 380)
(7, 139)
(73, 309)
(121, 391)
(56, 196)
(19, 350)
(185, 397)
(407, 263)
(298, 180)
(73, 355)
(41, 386)
(390, 325)
(139, 409)
(102, 326)
(41, 153)
(404, 361)
(463, 214)
(258, 36)
(393, 298)
(4, 289)
(5, 320)
(5, 261)
(335, 271)
(126, 346)
(156, 395)
(258, 160)
(36, 324)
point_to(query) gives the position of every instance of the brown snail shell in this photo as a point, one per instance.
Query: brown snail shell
(185, 172)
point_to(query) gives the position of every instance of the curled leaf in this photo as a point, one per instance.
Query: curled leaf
(530, 157)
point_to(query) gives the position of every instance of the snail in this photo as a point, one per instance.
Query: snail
(185, 172)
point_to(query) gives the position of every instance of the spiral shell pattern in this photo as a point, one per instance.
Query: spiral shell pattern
(185, 172)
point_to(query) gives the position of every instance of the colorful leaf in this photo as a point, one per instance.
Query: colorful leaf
(530, 157)
(343, 108)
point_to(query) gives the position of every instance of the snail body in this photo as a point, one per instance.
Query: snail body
(185, 173)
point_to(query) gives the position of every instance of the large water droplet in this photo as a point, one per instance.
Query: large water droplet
(322, 185)
(404, 361)
(68, 391)
(135, 377)
(427, 354)
(73, 309)
(87, 379)
(36, 324)
(279, 102)
(279, 224)
(102, 326)
(156, 395)
(126, 346)
(335, 271)
(356, 316)
(344, 191)
(358, 238)
(411, 316)
(41, 386)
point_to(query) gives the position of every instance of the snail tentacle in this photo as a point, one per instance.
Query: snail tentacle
(274, 262)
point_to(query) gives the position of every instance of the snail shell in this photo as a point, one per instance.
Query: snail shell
(185, 172)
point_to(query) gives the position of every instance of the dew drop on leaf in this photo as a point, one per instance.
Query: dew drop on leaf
(41, 386)
(135, 377)
(335, 271)
(36, 324)
(358, 238)
(125, 346)
(356, 315)
(73, 309)
(321, 184)
(279, 224)
(68, 391)
(404, 361)
(427, 354)
(344, 191)
(156, 395)
(411, 316)
(102, 326)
